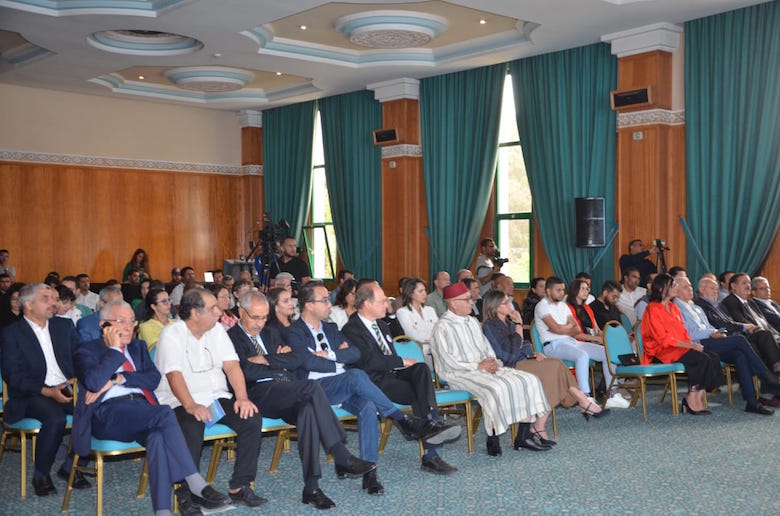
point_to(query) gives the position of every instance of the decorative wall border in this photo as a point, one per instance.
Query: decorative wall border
(144, 164)
(402, 150)
(651, 116)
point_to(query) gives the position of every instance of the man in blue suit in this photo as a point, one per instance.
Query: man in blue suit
(324, 352)
(117, 402)
(37, 367)
(88, 328)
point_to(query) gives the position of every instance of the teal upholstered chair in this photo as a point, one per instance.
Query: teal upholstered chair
(539, 348)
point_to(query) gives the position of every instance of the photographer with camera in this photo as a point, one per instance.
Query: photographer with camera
(637, 257)
(488, 263)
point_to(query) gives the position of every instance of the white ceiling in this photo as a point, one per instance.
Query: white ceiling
(252, 40)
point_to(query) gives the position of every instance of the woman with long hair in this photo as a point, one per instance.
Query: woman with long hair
(666, 340)
(280, 308)
(158, 315)
(415, 318)
(506, 339)
(227, 318)
(140, 261)
(345, 303)
(578, 292)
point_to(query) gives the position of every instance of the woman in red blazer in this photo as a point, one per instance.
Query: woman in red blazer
(666, 340)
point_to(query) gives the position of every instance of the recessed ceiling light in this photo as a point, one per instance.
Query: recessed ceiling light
(482, 22)
(303, 27)
(217, 54)
(141, 77)
(278, 73)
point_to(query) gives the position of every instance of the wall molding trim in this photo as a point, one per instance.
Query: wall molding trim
(651, 117)
(402, 150)
(142, 164)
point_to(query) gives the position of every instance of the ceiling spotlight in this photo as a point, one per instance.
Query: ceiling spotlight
(303, 27)
(141, 77)
(278, 73)
(482, 22)
(217, 54)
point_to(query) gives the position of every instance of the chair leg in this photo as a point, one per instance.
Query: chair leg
(555, 424)
(469, 427)
(144, 480)
(386, 427)
(727, 371)
(99, 482)
(23, 469)
(663, 394)
(216, 453)
(281, 438)
(644, 401)
(2, 444)
(675, 398)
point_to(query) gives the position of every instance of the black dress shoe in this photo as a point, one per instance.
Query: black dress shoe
(245, 496)
(210, 498)
(447, 433)
(354, 468)
(494, 446)
(770, 402)
(317, 499)
(531, 443)
(371, 483)
(757, 408)
(43, 486)
(430, 431)
(438, 466)
(184, 501)
(79, 482)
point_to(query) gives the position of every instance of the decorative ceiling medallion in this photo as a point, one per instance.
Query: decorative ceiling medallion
(148, 8)
(143, 42)
(209, 79)
(16, 51)
(391, 29)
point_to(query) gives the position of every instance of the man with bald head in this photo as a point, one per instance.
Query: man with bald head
(269, 367)
(733, 349)
(435, 300)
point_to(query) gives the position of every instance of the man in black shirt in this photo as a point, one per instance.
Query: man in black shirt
(637, 257)
(605, 306)
(289, 262)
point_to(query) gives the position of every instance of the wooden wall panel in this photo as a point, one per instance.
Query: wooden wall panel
(648, 69)
(251, 145)
(403, 115)
(771, 268)
(83, 219)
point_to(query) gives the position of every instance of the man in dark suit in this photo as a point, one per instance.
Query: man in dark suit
(403, 380)
(37, 367)
(324, 351)
(743, 309)
(270, 370)
(88, 328)
(117, 402)
(762, 297)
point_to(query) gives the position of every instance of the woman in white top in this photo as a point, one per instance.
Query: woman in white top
(416, 319)
(344, 306)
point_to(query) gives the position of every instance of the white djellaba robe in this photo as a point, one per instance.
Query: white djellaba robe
(508, 396)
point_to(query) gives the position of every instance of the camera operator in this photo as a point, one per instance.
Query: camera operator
(289, 262)
(488, 263)
(637, 257)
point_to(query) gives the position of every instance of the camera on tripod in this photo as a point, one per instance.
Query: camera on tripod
(266, 250)
(660, 244)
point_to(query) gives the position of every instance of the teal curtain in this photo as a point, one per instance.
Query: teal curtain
(732, 136)
(288, 133)
(567, 132)
(459, 117)
(353, 167)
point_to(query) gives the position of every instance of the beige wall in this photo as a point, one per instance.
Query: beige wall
(48, 121)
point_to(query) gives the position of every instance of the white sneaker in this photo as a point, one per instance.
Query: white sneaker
(617, 401)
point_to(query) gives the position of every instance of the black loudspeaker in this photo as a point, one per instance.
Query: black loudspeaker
(589, 222)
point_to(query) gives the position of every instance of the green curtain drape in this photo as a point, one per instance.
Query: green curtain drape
(288, 133)
(353, 171)
(459, 118)
(732, 136)
(567, 132)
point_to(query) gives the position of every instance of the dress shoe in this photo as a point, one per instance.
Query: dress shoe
(354, 468)
(79, 482)
(43, 486)
(448, 433)
(184, 501)
(494, 446)
(245, 496)
(438, 466)
(317, 499)
(430, 431)
(532, 443)
(371, 483)
(210, 498)
(757, 408)
(770, 402)
(686, 409)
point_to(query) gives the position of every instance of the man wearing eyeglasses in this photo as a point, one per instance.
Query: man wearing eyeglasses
(270, 370)
(195, 356)
(403, 380)
(116, 402)
(324, 351)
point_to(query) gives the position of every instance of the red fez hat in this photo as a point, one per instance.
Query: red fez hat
(455, 290)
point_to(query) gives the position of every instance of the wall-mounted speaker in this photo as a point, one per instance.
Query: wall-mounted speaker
(628, 100)
(385, 136)
(589, 223)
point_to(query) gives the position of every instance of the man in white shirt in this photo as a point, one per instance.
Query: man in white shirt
(632, 293)
(84, 296)
(188, 277)
(197, 360)
(485, 266)
(557, 328)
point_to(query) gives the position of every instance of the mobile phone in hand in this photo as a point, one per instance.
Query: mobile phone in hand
(66, 391)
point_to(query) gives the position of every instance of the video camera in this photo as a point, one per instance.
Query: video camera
(497, 260)
(266, 250)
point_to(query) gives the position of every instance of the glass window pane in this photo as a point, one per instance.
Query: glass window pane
(507, 131)
(514, 241)
(318, 156)
(513, 194)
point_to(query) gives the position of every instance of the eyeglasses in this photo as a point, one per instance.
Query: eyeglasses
(256, 318)
(321, 340)
(121, 322)
(467, 299)
(324, 300)
(211, 360)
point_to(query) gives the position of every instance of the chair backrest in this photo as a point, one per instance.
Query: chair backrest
(626, 322)
(405, 347)
(537, 341)
(640, 344)
(616, 343)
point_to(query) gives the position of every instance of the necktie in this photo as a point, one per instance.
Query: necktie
(257, 345)
(758, 319)
(380, 340)
(127, 366)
